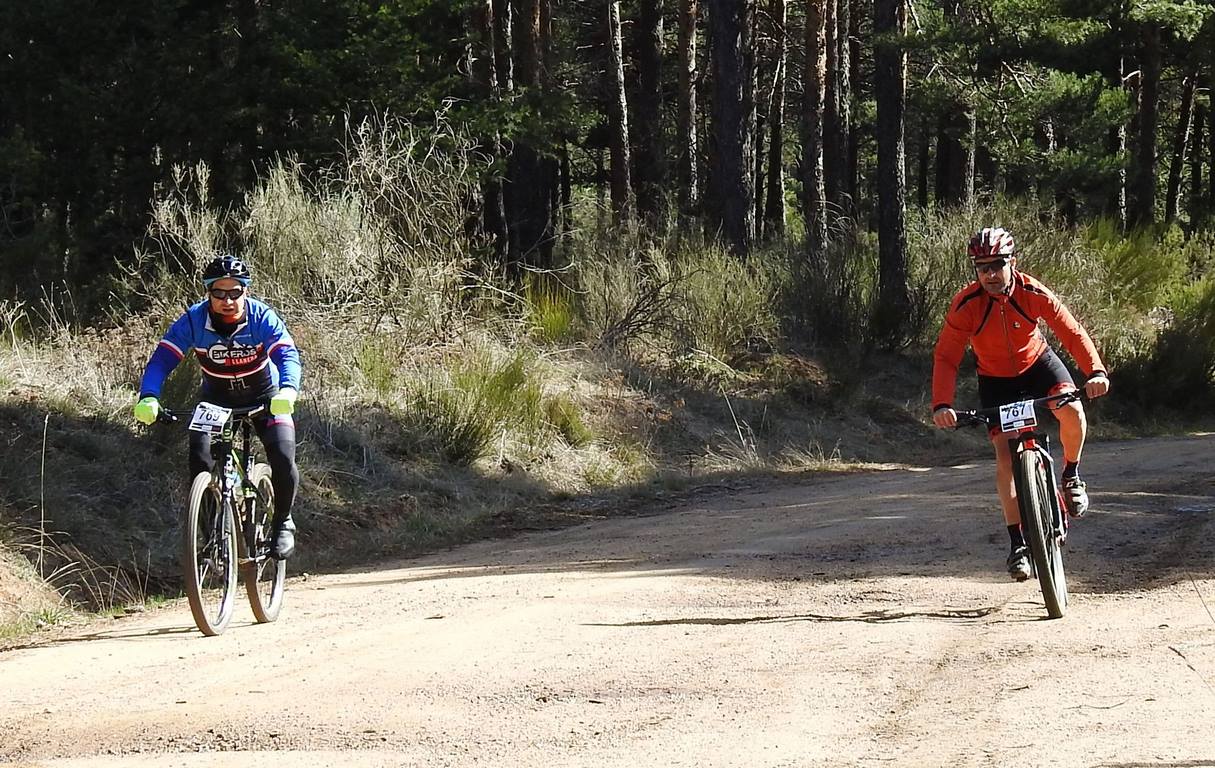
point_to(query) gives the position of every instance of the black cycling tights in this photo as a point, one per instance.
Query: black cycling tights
(279, 440)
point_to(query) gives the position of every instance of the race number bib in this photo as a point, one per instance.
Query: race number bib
(1016, 416)
(209, 418)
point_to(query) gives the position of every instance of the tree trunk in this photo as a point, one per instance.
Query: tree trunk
(774, 206)
(833, 160)
(1143, 174)
(1116, 142)
(622, 203)
(841, 80)
(651, 153)
(758, 156)
(529, 209)
(970, 150)
(757, 119)
(484, 72)
(890, 87)
(955, 171)
(1116, 146)
(566, 200)
(547, 52)
(1181, 142)
(730, 208)
(529, 46)
(754, 141)
(852, 172)
(955, 140)
(687, 165)
(946, 159)
(504, 44)
(1210, 208)
(1196, 159)
(814, 193)
(248, 64)
(923, 161)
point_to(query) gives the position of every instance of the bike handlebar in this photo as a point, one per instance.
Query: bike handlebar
(172, 415)
(991, 416)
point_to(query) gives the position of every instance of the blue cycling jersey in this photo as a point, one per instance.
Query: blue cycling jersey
(238, 368)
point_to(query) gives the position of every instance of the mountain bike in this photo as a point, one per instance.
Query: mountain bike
(1043, 521)
(228, 523)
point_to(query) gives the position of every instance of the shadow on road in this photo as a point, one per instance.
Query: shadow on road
(1151, 526)
(868, 617)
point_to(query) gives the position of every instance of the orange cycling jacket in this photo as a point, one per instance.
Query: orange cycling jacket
(1003, 331)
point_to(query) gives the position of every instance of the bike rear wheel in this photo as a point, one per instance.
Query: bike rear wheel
(1037, 523)
(264, 576)
(208, 556)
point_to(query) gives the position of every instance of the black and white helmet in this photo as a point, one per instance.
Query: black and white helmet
(226, 266)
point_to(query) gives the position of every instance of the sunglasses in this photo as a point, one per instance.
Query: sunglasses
(991, 266)
(229, 293)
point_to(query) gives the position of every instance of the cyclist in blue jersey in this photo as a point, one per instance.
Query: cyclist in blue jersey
(247, 356)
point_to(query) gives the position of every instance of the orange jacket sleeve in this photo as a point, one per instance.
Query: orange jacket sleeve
(1071, 334)
(951, 346)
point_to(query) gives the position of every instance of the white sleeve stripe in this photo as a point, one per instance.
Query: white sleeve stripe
(173, 348)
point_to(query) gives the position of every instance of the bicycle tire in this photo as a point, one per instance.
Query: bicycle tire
(1036, 523)
(265, 576)
(209, 562)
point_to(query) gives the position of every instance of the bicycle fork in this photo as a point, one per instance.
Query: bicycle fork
(1040, 442)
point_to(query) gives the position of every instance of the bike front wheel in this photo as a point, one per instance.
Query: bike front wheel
(208, 556)
(264, 576)
(1037, 523)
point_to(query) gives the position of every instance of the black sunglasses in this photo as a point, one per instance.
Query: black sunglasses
(229, 293)
(991, 266)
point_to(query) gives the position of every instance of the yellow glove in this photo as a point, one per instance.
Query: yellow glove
(146, 410)
(283, 403)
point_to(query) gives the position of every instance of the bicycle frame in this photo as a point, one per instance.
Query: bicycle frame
(234, 453)
(1031, 438)
(233, 459)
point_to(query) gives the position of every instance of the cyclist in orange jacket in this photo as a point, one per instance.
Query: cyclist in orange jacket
(997, 315)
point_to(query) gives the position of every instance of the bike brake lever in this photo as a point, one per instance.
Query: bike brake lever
(967, 419)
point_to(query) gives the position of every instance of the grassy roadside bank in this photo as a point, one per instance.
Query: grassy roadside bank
(99, 503)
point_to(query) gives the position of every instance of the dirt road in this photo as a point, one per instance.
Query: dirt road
(842, 620)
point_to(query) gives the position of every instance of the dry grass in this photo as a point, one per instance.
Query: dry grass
(27, 602)
(440, 402)
(564, 423)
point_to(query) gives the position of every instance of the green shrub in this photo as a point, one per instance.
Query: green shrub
(1138, 269)
(377, 360)
(626, 293)
(565, 418)
(683, 295)
(450, 423)
(550, 307)
(1178, 372)
(726, 304)
(461, 417)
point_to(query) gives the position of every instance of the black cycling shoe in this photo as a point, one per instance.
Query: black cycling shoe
(283, 539)
(1018, 564)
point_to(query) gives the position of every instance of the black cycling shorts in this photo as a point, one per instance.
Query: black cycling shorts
(1047, 376)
